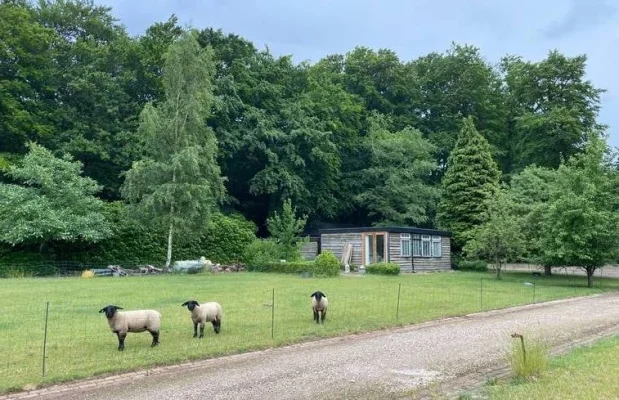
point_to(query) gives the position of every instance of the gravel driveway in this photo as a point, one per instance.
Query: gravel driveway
(385, 364)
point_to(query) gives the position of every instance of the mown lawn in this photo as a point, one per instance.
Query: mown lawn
(586, 373)
(79, 343)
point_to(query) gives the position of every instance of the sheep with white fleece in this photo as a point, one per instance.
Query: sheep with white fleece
(123, 322)
(203, 313)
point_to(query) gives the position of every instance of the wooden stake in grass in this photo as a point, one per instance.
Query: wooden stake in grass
(524, 350)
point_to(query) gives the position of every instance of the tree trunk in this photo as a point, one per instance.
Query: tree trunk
(169, 257)
(171, 230)
(590, 271)
(498, 267)
(547, 270)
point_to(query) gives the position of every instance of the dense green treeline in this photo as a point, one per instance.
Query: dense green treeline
(360, 138)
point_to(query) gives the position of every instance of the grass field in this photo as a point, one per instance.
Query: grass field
(80, 344)
(586, 373)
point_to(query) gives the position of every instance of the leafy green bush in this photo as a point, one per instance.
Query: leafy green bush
(227, 238)
(295, 267)
(261, 252)
(383, 268)
(473, 265)
(326, 264)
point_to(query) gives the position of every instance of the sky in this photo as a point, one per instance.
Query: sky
(312, 29)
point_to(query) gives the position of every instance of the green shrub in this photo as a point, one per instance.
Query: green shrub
(383, 268)
(473, 265)
(227, 238)
(261, 252)
(326, 264)
(295, 267)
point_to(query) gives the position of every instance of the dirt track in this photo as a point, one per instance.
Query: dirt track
(449, 355)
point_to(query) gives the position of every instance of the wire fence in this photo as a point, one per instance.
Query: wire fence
(52, 332)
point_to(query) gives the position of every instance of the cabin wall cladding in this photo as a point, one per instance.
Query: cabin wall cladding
(334, 242)
(420, 263)
(309, 250)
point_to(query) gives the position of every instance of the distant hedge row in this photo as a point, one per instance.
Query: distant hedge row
(325, 264)
(224, 240)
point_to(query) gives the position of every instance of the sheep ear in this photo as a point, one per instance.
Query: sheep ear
(184, 304)
(102, 310)
(118, 308)
(196, 303)
(313, 294)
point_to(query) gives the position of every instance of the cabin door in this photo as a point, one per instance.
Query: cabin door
(374, 247)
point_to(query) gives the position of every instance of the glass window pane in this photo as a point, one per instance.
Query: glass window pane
(417, 247)
(436, 249)
(405, 247)
(369, 249)
(380, 248)
(425, 248)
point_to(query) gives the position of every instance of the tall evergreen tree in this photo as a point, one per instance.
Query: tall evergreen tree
(471, 180)
(178, 181)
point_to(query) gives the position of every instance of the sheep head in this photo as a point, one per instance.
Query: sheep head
(318, 295)
(110, 311)
(191, 304)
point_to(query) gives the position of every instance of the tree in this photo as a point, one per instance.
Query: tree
(53, 203)
(285, 228)
(178, 182)
(458, 83)
(471, 181)
(395, 185)
(500, 238)
(581, 224)
(552, 109)
(530, 193)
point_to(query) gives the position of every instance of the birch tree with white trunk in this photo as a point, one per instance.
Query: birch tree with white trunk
(177, 182)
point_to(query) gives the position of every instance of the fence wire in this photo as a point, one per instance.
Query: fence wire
(78, 342)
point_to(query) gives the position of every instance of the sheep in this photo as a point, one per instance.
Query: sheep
(122, 322)
(200, 314)
(319, 306)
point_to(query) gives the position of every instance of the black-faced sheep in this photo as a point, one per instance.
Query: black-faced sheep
(122, 322)
(319, 306)
(201, 314)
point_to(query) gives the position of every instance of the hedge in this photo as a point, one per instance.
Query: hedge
(326, 264)
(383, 268)
(473, 265)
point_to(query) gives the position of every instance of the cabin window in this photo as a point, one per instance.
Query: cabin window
(436, 246)
(405, 245)
(426, 249)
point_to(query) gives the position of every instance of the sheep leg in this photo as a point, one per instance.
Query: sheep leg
(155, 338)
(324, 316)
(316, 316)
(195, 329)
(121, 340)
(216, 326)
(201, 330)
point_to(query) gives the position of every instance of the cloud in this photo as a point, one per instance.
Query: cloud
(582, 15)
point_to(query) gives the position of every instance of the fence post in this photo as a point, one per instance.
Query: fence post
(481, 294)
(272, 314)
(397, 310)
(45, 337)
(534, 285)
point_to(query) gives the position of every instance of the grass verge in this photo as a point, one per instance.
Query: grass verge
(79, 343)
(588, 372)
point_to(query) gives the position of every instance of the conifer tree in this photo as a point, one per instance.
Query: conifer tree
(471, 181)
